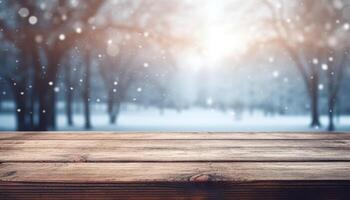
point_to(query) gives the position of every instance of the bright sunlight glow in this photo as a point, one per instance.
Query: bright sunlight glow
(218, 36)
(219, 44)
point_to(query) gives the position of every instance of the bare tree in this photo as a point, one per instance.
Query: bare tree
(69, 94)
(40, 35)
(315, 40)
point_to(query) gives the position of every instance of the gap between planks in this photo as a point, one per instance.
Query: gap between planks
(170, 136)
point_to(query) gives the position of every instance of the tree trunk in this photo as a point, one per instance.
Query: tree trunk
(47, 107)
(46, 94)
(331, 104)
(40, 87)
(54, 63)
(69, 97)
(32, 91)
(87, 113)
(332, 97)
(42, 112)
(86, 93)
(112, 118)
(110, 107)
(315, 116)
(52, 108)
(114, 103)
(32, 109)
(21, 107)
(69, 108)
(114, 115)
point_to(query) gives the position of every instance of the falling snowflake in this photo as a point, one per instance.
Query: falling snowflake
(62, 36)
(56, 89)
(23, 12)
(78, 30)
(324, 67)
(33, 20)
(320, 86)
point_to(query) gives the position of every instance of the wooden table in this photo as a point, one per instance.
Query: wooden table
(174, 166)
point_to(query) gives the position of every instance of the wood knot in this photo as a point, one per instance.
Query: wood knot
(201, 178)
(7, 174)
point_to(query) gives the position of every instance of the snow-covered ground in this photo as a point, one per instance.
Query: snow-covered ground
(195, 119)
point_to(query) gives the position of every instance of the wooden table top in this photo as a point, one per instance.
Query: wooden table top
(95, 159)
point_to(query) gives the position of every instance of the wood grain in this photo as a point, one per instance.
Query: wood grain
(173, 172)
(171, 135)
(106, 165)
(183, 144)
(173, 154)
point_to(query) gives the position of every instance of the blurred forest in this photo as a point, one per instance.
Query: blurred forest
(67, 58)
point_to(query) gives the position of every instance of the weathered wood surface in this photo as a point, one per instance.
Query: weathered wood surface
(172, 135)
(174, 165)
(172, 172)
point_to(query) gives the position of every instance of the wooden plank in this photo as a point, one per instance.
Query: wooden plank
(173, 172)
(174, 165)
(162, 135)
(184, 144)
(174, 154)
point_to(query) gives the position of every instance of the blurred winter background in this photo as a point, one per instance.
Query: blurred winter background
(175, 65)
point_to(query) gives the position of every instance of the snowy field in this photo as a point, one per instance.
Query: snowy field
(188, 120)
